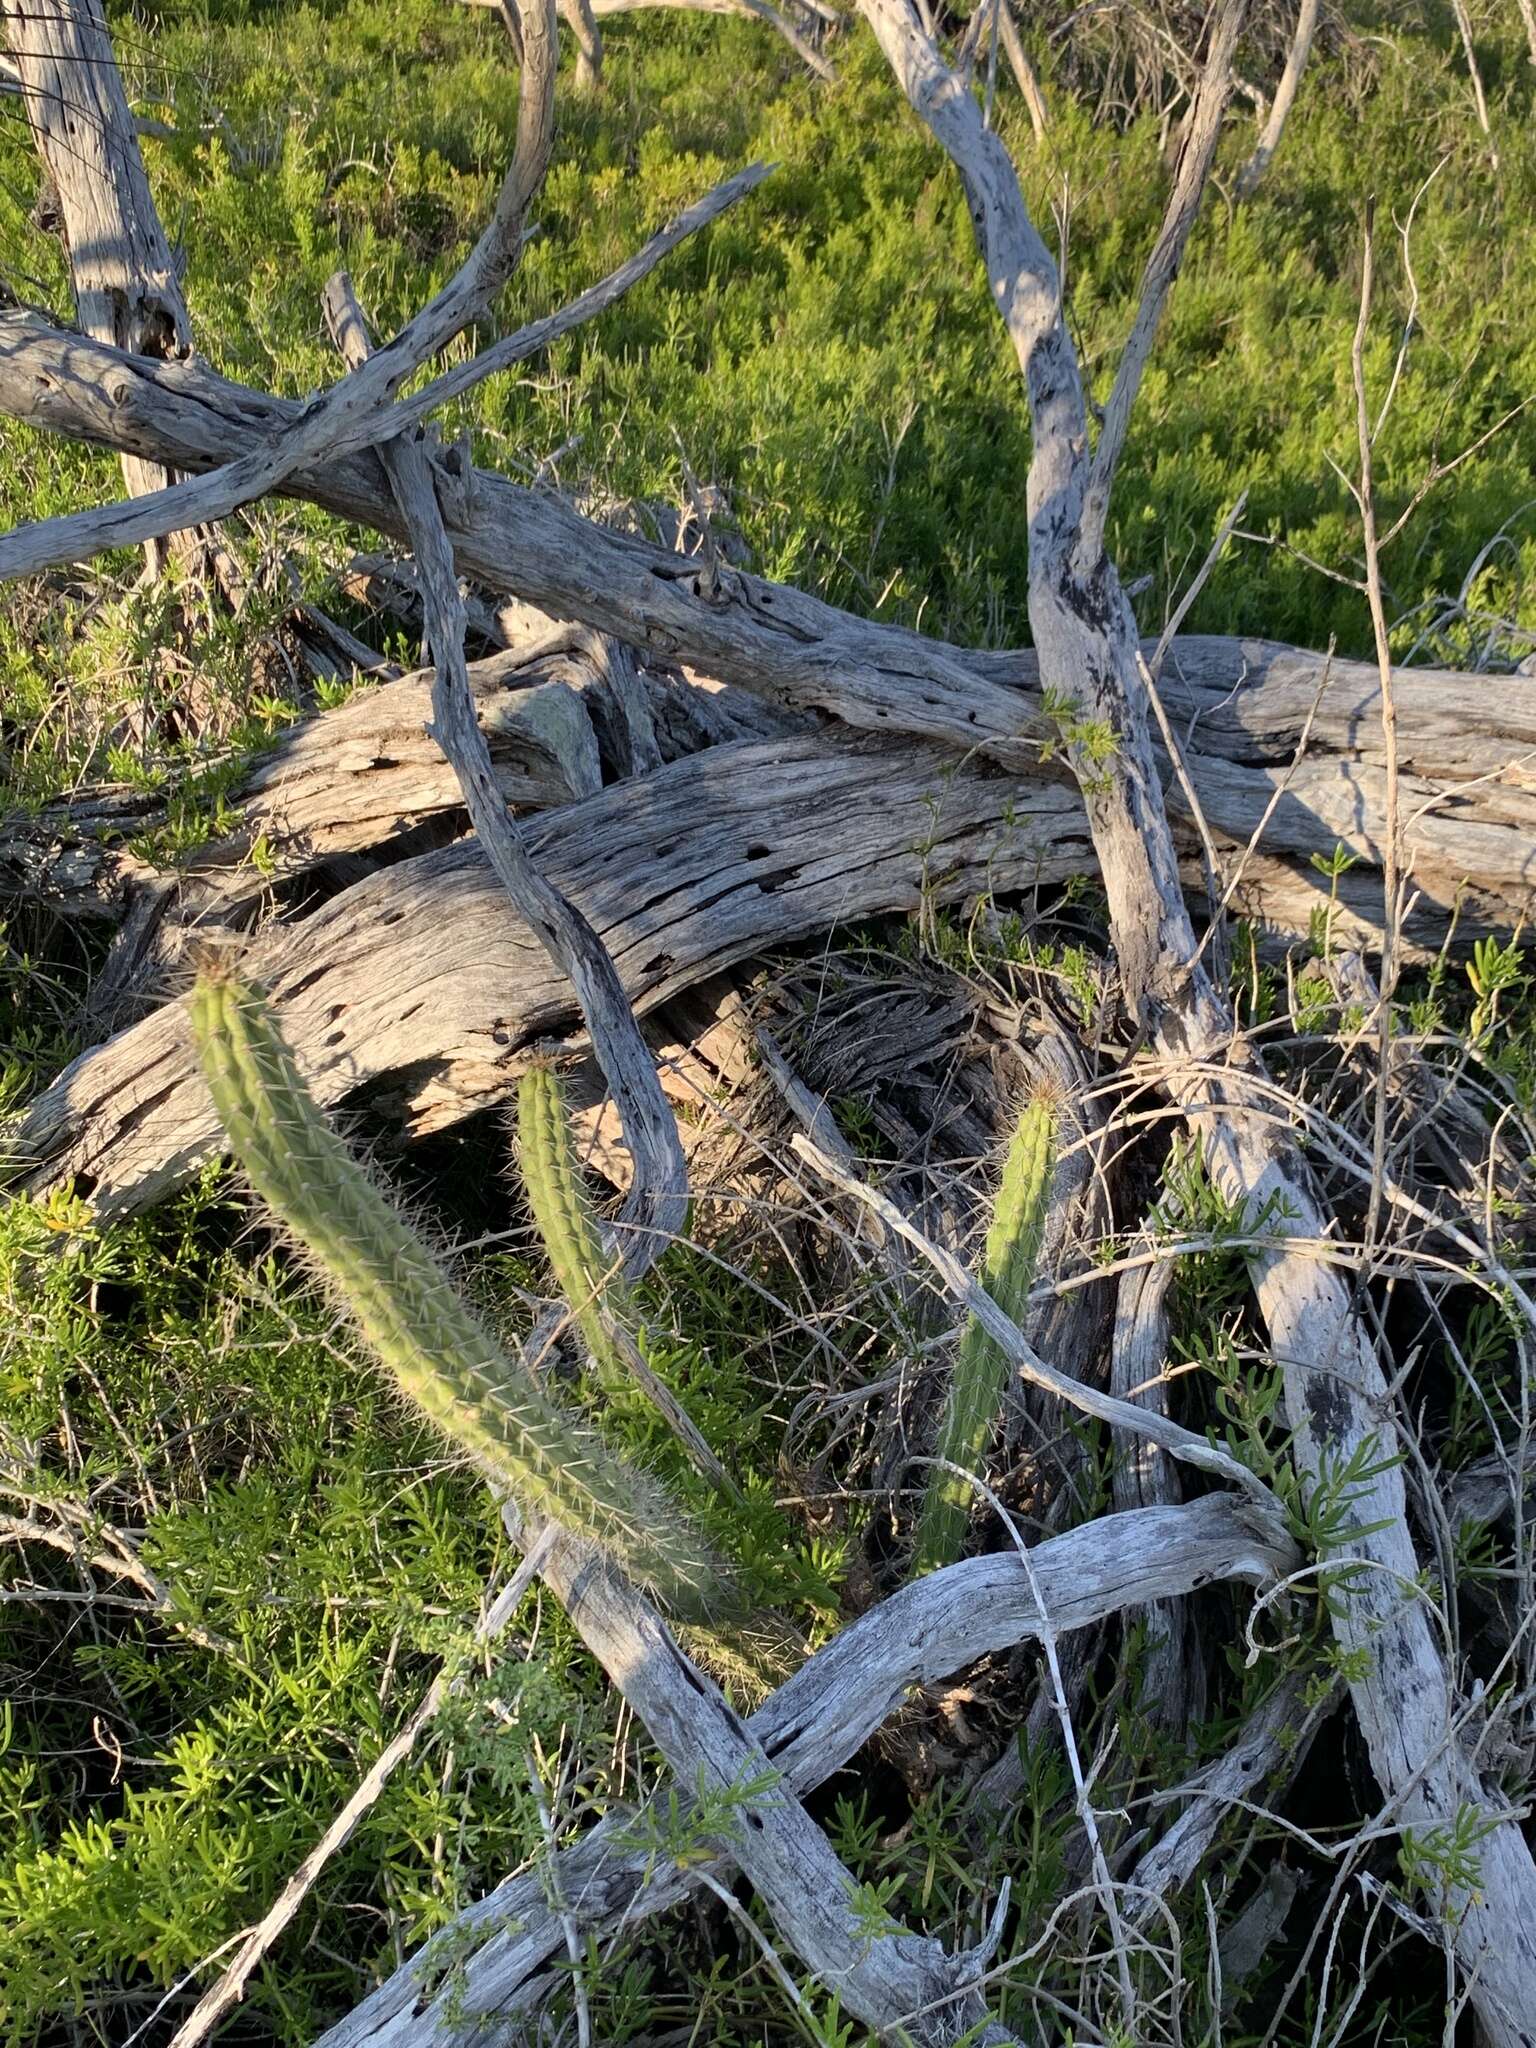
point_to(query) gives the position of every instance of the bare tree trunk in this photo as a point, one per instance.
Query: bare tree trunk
(1025, 76)
(582, 23)
(1479, 98)
(582, 18)
(579, 18)
(1285, 98)
(126, 288)
(502, 1948)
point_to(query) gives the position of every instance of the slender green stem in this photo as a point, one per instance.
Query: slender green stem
(981, 1369)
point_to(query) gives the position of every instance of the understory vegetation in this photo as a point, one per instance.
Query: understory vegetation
(232, 1561)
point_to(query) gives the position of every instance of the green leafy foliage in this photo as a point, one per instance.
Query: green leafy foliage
(164, 1770)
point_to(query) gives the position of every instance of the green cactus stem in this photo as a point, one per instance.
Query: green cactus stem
(563, 1217)
(407, 1309)
(981, 1369)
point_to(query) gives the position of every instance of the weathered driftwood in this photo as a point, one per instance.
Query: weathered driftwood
(339, 795)
(421, 976)
(363, 783)
(1284, 99)
(1485, 861)
(364, 408)
(1172, 1676)
(125, 283)
(903, 1985)
(741, 629)
(1239, 707)
(361, 779)
(493, 1959)
(349, 790)
(1338, 1398)
(1267, 1751)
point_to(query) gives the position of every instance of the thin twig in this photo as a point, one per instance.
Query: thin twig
(1391, 851)
(658, 1200)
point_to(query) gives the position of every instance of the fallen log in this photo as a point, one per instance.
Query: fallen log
(422, 978)
(1240, 708)
(365, 785)
(354, 788)
(349, 782)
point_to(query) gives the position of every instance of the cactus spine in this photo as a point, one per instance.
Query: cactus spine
(408, 1310)
(564, 1219)
(981, 1370)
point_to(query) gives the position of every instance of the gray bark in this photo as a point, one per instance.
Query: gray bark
(422, 976)
(126, 287)
(1338, 1396)
(657, 1203)
(1173, 1677)
(1284, 100)
(1239, 706)
(479, 1978)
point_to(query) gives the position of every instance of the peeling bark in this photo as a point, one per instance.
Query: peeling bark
(422, 981)
(1239, 706)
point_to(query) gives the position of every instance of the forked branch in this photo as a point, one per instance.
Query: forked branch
(350, 407)
(1338, 1399)
(500, 1949)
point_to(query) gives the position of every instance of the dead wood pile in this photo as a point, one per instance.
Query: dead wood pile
(676, 768)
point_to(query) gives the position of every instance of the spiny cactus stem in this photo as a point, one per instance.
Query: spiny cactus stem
(438, 1353)
(590, 1282)
(981, 1371)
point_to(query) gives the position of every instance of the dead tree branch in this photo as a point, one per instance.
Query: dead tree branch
(768, 841)
(500, 1948)
(350, 407)
(1285, 98)
(1337, 1394)
(657, 1203)
(1239, 705)
(902, 1984)
(126, 286)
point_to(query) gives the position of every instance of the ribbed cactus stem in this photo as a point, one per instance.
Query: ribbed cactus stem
(981, 1369)
(563, 1217)
(409, 1312)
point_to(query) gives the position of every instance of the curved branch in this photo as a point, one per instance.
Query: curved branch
(1285, 98)
(353, 403)
(491, 1960)
(657, 1204)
